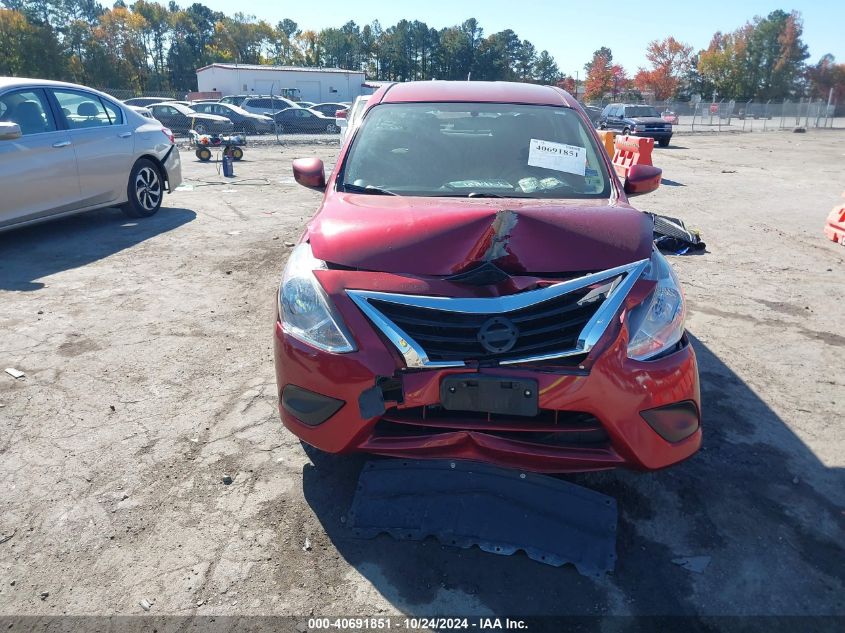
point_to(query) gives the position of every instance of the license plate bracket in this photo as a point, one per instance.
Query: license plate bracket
(489, 394)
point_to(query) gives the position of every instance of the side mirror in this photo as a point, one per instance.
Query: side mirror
(642, 179)
(9, 131)
(309, 172)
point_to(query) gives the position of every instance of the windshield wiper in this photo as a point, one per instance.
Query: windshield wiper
(473, 194)
(368, 189)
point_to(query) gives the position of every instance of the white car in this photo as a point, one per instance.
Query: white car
(353, 117)
(66, 149)
(266, 105)
(142, 110)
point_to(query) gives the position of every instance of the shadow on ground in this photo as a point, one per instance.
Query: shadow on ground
(775, 544)
(34, 252)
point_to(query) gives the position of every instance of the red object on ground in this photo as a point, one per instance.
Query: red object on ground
(597, 410)
(630, 151)
(835, 227)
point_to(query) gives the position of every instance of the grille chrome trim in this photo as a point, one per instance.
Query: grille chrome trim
(416, 357)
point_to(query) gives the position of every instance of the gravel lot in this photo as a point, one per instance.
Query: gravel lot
(147, 352)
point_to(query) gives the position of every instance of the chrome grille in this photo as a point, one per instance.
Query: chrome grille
(557, 321)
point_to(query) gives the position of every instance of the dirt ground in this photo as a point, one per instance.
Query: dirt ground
(147, 352)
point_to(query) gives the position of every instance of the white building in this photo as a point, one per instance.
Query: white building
(319, 85)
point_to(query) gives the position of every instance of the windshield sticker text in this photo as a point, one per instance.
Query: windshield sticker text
(558, 156)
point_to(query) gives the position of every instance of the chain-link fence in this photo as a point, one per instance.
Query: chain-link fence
(283, 125)
(745, 116)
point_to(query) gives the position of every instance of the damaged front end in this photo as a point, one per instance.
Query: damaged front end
(549, 373)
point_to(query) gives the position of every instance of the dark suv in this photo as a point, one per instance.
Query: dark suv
(638, 120)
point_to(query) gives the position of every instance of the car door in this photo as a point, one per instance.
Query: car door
(38, 173)
(103, 141)
(170, 117)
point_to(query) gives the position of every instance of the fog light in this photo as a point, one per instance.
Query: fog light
(673, 422)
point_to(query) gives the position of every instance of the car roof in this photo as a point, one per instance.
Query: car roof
(23, 82)
(473, 91)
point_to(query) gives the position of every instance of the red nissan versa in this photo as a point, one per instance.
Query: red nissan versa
(476, 286)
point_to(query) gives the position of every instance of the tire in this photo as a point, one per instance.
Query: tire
(664, 142)
(204, 154)
(200, 128)
(237, 153)
(626, 132)
(331, 128)
(145, 190)
(249, 128)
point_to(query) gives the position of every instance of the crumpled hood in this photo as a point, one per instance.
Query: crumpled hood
(437, 236)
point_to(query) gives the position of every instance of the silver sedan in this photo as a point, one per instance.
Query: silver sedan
(66, 149)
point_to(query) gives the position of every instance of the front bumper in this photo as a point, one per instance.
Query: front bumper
(655, 134)
(607, 387)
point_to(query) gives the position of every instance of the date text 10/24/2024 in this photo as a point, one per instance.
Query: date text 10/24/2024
(412, 624)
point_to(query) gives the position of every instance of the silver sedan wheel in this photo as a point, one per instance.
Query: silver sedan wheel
(148, 188)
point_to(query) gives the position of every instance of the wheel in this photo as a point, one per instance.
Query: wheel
(626, 132)
(237, 153)
(664, 142)
(248, 128)
(145, 190)
(204, 154)
(602, 126)
(331, 128)
(201, 128)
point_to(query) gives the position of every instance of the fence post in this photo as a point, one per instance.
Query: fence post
(766, 114)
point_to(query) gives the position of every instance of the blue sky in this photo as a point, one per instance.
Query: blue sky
(570, 31)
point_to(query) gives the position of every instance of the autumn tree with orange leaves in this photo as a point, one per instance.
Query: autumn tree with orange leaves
(604, 78)
(670, 61)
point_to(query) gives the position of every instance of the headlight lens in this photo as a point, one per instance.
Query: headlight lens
(657, 324)
(304, 308)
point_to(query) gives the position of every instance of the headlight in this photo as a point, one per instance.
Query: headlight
(304, 308)
(657, 324)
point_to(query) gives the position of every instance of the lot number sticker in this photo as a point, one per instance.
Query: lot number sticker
(558, 156)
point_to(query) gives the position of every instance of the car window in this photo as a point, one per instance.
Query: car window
(202, 107)
(641, 111)
(29, 109)
(457, 149)
(115, 113)
(82, 109)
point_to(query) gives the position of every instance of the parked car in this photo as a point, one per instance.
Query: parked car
(669, 116)
(508, 308)
(305, 104)
(329, 109)
(593, 113)
(305, 121)
(181, 118)
(144, 112)
(234, 99)
(638, 120)
(245, 122)
(266, 105)
(145, 101)
(66, 149)
(353, 116)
